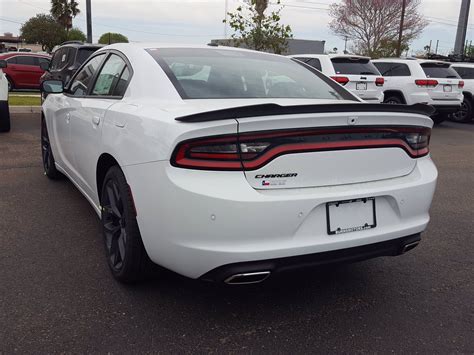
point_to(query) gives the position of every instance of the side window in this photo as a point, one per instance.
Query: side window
(56, 59)
(81, 82)
(399, 69)
(122, 83)
(40, 60)
(109, 76)
(25, 60)
(314, 62)
(11, 60)
(384, 68)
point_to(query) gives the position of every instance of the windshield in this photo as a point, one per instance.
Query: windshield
(439, 70)
(355, 66)
(219, 73)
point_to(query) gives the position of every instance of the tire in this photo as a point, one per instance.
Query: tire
(11, 87)
(126, 255)
(393, 100)
(464, 115)
(4, 117)
(49, 165)
(439, 118)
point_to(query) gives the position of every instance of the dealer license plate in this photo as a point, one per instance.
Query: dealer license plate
(350, 215)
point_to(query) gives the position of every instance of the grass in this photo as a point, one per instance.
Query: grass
(15, 100)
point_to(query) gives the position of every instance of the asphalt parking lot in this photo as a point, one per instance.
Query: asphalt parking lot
(57, 295)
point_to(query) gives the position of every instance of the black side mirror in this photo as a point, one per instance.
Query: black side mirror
(52, 86)
(3, 63)
(44, 66)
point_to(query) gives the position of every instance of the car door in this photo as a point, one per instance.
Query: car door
(28, 72)
(70, 102)
(87, 120)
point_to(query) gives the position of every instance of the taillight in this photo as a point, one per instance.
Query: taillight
(426, 82)
(379, 81)
(343, 80)
(251, 151)
(461, 84)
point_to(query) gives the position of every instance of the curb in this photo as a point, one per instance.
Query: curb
(25, 109)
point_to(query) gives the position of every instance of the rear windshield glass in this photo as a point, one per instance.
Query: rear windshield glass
(219, 73)
(464, 72)
(356, 66)
(439, 70)
(84, 53)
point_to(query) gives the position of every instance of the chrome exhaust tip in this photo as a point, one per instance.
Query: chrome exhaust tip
(247, 278)
(409, 246)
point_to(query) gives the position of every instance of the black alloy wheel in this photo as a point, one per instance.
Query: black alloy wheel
(49, 165)
(126, 255)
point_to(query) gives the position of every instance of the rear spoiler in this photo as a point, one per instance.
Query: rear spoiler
(275, 109)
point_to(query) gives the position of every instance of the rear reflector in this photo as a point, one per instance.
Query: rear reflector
(379, 81)
(426, 82)
(251, 151)
(340, 79)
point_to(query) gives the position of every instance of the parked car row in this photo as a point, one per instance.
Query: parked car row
(401, 81)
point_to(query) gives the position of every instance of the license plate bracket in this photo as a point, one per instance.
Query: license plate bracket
(350, 215)
(361, 86)
(447, 88)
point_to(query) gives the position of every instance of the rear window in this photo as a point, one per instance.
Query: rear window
(464, 72)
(355, 66)
(84, 53)
(439, 70)
(216, 73)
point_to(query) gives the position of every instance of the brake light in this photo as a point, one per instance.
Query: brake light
(343, 80)
(379, 81)
(461, 84)
(251, 151)
(426, 82)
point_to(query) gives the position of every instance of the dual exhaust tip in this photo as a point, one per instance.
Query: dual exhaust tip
(247, 278)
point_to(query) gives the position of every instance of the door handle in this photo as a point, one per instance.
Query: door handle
(96, 120)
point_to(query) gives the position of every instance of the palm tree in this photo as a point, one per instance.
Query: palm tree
(64, 11)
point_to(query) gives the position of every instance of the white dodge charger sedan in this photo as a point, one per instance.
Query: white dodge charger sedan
(232, 165)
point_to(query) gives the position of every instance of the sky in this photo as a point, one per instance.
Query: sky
(199, 21)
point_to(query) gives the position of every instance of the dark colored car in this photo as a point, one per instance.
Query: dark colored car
(67, 59)
(23, 70)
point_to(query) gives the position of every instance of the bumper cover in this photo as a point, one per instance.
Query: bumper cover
(387, 248)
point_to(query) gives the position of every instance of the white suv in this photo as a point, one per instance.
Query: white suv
(411, 81)
(4, 111)
(466, 72)
(355, 73)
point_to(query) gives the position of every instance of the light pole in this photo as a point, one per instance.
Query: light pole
(89, 21)
(462, 27)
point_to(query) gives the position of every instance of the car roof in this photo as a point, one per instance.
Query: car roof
(347, 56)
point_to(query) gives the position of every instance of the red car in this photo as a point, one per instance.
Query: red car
(23, 69)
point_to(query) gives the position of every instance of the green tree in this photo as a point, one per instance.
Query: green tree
(43, 29)
(64, 11)
(110, 38)
(255, 29)
(75, 34)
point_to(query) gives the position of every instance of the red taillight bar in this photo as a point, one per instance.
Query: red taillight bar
(426, 82)
(461, 84)
(251, 151)
(343, 80)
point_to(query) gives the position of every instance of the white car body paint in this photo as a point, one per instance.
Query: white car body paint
(193, 221)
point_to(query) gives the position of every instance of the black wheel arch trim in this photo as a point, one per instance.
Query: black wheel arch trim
(399, 93)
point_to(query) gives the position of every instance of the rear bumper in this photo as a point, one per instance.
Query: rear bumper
(447, 109)
(195, 221)
(275, 266)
